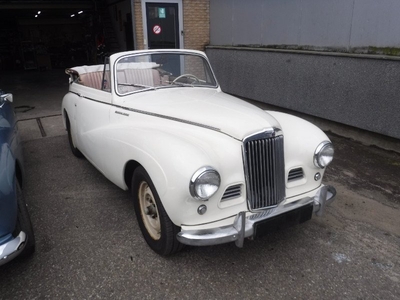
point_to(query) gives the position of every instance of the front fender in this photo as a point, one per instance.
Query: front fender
(171, 153)
(8, 201)
(301, 138)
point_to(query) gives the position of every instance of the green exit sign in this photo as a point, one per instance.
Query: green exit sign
(161, 12)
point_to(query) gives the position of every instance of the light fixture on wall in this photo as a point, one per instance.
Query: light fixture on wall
(79, 12)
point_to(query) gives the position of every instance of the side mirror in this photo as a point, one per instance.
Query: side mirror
(7, 97)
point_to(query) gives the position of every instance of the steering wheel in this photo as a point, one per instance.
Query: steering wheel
(190, 76)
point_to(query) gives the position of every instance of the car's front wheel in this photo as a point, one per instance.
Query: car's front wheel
(157, 228)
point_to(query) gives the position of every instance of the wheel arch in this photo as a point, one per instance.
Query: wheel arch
(130, 167)
(65, 118)
(18, 173)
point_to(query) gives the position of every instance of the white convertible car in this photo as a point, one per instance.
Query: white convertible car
(203, 167)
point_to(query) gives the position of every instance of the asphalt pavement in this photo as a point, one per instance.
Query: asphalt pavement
(89, 245)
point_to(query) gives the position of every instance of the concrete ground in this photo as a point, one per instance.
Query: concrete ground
(89, 244)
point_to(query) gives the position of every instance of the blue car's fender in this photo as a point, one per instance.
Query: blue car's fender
(16, 232)
(8, 145)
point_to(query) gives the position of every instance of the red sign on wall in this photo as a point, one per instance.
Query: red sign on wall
(157, 29)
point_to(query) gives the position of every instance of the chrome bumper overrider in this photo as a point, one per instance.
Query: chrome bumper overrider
(13, 248)
(243, 227)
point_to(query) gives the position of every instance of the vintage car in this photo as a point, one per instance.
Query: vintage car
(16, 233)
(203, 167)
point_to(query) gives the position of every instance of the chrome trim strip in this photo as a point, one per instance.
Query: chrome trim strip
(167, 117)
(151, 114)
(264, 134)
(121, 113)
(243, 226)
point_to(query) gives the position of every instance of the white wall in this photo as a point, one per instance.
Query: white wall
(317, 23)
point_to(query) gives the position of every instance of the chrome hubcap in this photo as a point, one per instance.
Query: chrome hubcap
(149, 211)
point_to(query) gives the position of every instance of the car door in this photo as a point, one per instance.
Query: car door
(92, 117)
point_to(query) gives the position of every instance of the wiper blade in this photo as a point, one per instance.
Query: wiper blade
(137, 85)
(181, 84)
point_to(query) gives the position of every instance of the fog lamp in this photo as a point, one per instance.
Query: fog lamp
(202, 209)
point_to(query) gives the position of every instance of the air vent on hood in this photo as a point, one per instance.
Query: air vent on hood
(295, 174)
(234, 191)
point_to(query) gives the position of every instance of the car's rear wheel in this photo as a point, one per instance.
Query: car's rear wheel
(157, 228)
(24, 223)
(75, 150)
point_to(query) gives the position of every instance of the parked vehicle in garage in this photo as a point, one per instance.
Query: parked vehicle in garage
(203, 167)
(16, 233)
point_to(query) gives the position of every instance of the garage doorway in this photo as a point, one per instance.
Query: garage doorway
(162, 24)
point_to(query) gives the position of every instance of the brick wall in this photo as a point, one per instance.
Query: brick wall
(196, 24)
(139, 25)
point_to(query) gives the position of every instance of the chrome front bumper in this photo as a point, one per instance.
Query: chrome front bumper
(13, 248)
(243, 227)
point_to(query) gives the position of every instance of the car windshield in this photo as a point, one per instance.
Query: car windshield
(162, 70)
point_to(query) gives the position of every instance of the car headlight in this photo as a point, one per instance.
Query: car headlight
(204, 183)
(323, 154)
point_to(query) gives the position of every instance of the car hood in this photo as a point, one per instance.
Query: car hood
(205, 107)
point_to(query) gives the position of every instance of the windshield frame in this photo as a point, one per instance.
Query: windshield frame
(171, 85)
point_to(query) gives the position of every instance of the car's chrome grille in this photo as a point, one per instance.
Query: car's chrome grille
(295, 174)
(234, 191)
(265, 172)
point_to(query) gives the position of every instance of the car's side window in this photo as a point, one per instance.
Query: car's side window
(134, 74)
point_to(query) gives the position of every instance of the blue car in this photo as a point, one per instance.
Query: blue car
(16, 233)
